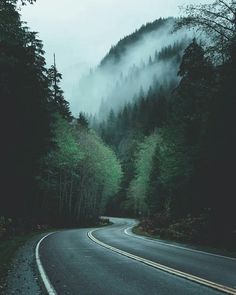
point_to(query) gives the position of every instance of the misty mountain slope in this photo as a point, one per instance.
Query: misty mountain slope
(116, 52)
(148, 57)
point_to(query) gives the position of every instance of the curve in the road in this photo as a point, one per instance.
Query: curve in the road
(128, 232)
(47, 244)
(172, 271)
(47, 284)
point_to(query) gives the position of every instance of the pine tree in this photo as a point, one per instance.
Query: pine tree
(57, 95)
(82, 121)
(24, 95)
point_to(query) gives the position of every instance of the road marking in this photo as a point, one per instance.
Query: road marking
(49, 287)
(171, 245)
(172, 271)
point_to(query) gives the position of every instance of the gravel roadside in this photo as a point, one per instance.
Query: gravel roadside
(23, 277)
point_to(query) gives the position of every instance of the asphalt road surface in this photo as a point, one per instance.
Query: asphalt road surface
(77, 265)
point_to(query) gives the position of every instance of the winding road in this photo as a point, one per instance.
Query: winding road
(114, 261)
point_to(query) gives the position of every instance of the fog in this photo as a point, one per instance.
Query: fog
(116, 83)
(81, 32)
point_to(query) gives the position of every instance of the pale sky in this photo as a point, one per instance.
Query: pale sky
(81, 32)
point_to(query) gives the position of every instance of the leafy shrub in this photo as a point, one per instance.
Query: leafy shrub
(190, 229)
(104, 220)
(156, 224)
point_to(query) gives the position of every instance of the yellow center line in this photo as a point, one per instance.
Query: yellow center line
(172, 271)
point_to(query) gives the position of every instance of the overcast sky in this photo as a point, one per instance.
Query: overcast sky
(81, 32)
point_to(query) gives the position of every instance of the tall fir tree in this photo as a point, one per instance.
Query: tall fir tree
(57, 95)
(24, 113)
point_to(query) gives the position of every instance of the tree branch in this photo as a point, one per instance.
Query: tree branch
(218, 24)
(215, 14)
(213, 28)
(229, 7)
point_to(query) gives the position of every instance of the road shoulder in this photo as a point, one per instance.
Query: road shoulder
(22, 277)
(136, 231)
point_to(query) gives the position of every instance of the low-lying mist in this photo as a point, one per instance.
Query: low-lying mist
(144, 59)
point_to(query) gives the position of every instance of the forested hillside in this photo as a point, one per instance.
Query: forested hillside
(117, 52)
(161, 146)
(150, 55)
(177, 141)
(55, 170)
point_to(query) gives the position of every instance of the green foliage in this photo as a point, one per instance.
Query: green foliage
(139, 185)
(67, 153)
(24, 96)
(57, 100)
(82, 121)
(79, 174)
(63, 173)
(176, 143)
(185, 168)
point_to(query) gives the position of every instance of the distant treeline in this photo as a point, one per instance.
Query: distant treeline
(117, 52)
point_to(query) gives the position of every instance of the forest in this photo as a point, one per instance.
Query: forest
(56, 170)
(161, 148)
(176, 141)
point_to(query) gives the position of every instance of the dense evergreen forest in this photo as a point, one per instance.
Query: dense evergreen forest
(161, 149)
(177, 141)
(55, 169)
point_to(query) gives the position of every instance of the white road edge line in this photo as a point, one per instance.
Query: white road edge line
(171, 245)
(49, 287)
(222, 288)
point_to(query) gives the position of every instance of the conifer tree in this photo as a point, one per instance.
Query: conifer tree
(24, 93)
(57, 95)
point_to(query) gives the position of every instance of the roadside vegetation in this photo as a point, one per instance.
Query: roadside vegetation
(177, 143)
(167, 157)
(56, 170)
